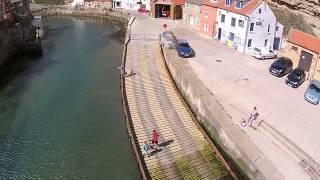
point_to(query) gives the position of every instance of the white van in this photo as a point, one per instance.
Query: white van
(263, 53)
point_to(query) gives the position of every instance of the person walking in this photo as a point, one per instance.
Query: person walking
(146, 149)
(252, 117)
(155, 139)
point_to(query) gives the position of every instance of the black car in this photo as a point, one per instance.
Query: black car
(281, 67)
(296, 78)
(183, 48)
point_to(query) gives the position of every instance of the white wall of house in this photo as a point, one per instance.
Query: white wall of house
(263, 32)
(227, 29)
(241, 36)
(133, 4)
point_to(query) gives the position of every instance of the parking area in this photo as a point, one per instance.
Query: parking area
(240, 82)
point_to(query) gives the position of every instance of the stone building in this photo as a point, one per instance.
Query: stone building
(191, 13)
(304, 51)
(98, 4)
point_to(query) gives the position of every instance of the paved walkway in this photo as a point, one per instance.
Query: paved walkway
(154, 103)
(289, 134)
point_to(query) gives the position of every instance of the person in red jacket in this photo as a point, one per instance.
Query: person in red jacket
(155, 139)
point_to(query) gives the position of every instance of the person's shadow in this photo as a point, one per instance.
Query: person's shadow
(165, 143)
(161, 146)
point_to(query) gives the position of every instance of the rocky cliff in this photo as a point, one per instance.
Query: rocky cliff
(5, 42)
(310, 9)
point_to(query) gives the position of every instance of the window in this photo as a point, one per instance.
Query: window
(265, 43)
(249, 42)
(277, 28)
(269, 28)
(294, 48)
(205, 27)
(197, 21)
(241, 23)
(198, 8)
(260, 11)
(231, 36)
(187, 4)
(228, 2)
(233, 22)
(206, 14)
(223, 17)
(239, 4)
(251, 27)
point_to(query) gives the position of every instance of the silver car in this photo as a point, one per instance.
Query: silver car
(312, 93)
(167, 39)
(263, 53)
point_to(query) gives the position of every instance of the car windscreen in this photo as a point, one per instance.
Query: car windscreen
(279, 63)
(315, 88)
(295, 75)
(185, 45)
(257, 50)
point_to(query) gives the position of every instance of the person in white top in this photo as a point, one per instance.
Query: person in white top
(252, 117)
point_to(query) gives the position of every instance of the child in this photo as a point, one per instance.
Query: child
(146, 149)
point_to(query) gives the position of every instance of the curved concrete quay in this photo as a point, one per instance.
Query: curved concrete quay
(219, 100)
(153, 103)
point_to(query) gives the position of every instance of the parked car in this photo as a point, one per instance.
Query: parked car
(263, 53)
(296, 78)
(142, 10)
(166, 13)
(167, 39)
(312, 93)
(281, 66)
(183, 48)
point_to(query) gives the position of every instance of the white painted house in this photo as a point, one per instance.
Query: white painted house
(245, 24)
(132, 4)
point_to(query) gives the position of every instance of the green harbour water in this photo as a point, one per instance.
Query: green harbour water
(60, 114)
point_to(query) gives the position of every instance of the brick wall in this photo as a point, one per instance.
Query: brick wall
(293, 52)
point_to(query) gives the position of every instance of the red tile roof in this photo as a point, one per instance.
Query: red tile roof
(175, 2)
(178, 2)
(305, 40)
(245, 10)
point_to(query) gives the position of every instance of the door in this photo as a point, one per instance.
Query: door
(191, 20)
(276, 43)
(305, 61)
(219, 33)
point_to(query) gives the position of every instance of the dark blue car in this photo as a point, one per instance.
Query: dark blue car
(183, 48)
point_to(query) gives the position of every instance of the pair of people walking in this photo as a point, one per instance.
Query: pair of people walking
(154, 144)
